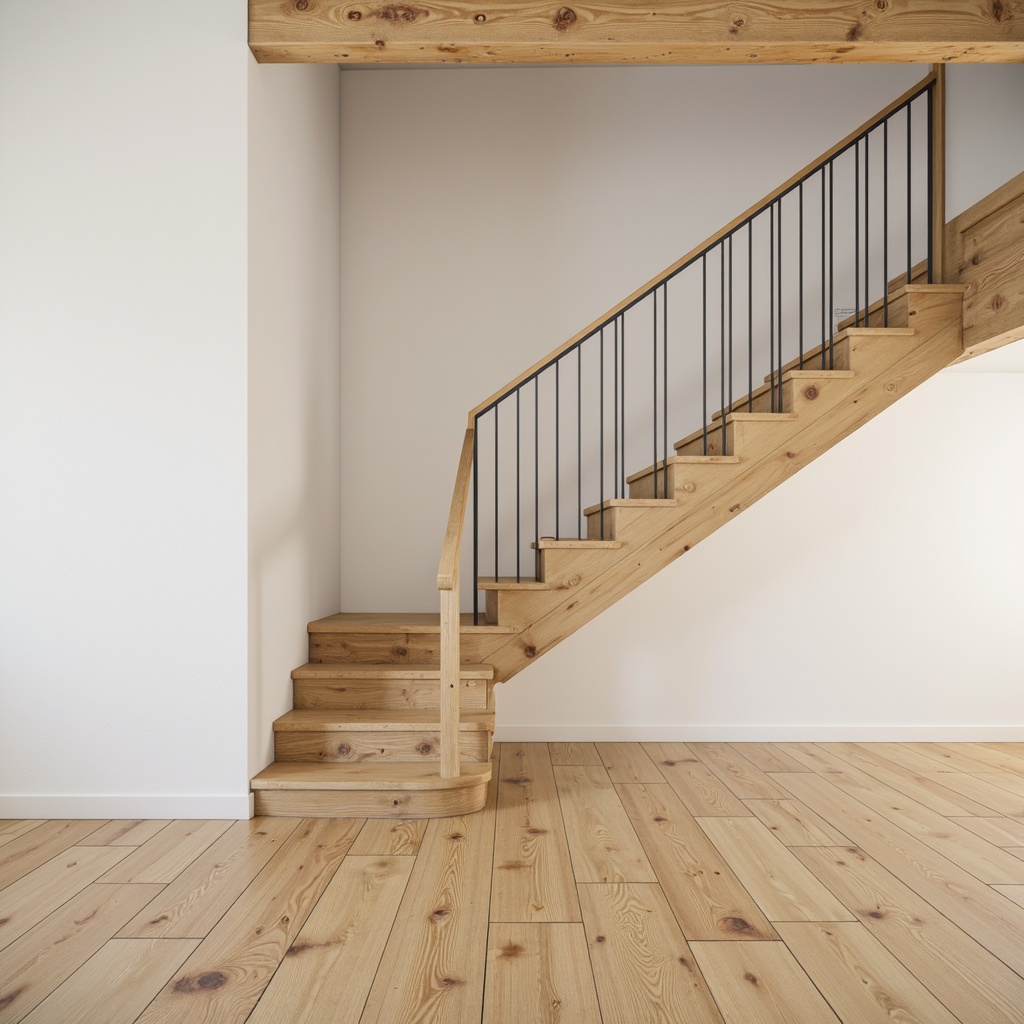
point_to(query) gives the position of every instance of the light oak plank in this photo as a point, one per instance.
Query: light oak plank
(48, 840)
(11, 829)
(1010, 750)
(327, 972)
(794, 824)
(24, 903)
(201, 894)
(642, 964)
(782, 887)
(999, 757)
(695, 784)
(999, 831)
(767, 757)
(168, 853)
(1017, 851)
(222, 980)
(964, 976)
(116, 984)
(952, 757)
(539, 973)
(742, 777)
(602, 843)
(861, 980)
(1003, 780)
(1015, 893)
(952, 890)
(386, 837)
(942, 834)
(760, 981)
(913, 759)
(707, 898)
(574, 753)
(994, 797)
(627, 762)
(532, 878)
(33, 966)
(126, 833)
(433, 965)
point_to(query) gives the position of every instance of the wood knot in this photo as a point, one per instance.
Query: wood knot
(737, 24)
(518, 780)
(670, 764)
(344, 750)
(565, 18)
(878, 915)
(660, 818)
(811, 392)
(998, 301)
(738, 925)
(449, 982)
(855, 32)
(480, 18)
(537, 831)
(999, 11)
(599, 938)
(976, 259)
(354, 15)
(530, 651)
(511, 951)
(398, 650)
(752, 978)
(438, 915)
(207, 982)
(425, 748)
(881, 5)
(400, 13)
(456, 836)
(302, 5)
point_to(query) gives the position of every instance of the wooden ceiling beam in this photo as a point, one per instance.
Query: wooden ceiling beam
(427, 32)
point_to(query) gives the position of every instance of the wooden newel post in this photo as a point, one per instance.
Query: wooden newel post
(938, 171)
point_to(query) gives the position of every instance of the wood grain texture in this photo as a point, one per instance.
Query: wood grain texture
(628, 762)
(742, 777)
(126, 832)
(386, 837)
(760, 981)
(602, 843)
(11, 829)
(978, 789)
(539, 973)
(642, 963)
(794, 824)
(327, 972)
(37, 846)
(782, 887)
(222, 980)
(700, 790)
(859, 977)
(34, 965)
(574, 753)
(661, 32)
(532, 878)
(706, 896)
(768, 757)
(32, 897)
(201, 894)
(116, 984)
(433, 965)
(168, 853)
(999, 831)
(963, 975)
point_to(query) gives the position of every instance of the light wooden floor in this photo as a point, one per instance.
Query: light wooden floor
(632, 883)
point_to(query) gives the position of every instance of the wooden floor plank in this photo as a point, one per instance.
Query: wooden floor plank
(741, 776)
(29, 851)
(1000, 757)
(539, 973)
(24, 903)
(225, 976)
(975, 787)
(627, 763)
(533, 877)
(860, 978)
(202, 893)
(574, 753)
(433, 965)
(767, 757)
(707, 898)
(11, 829)
(34, 965)
(168, 853)
(327, 972)
(964, 976)
(695, 784)
(999, 831)
(925, 789)
(950, 755)
(1004, 780)
(904, 756)
(116, 984)
(602, 843)
(951, 889)
(794, 824)
(1012, 892)
(984, 860)
(126, 832)
(782, 887)
(389, 837)
(642, 963)
(762, 982)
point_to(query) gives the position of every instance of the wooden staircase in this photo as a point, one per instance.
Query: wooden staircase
(364, 738)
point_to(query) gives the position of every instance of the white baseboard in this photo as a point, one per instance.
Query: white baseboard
(123, 805)
(760, 733)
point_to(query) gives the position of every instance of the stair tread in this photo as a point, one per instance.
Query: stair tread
(553, 543)
(762, 417)
(377, 720)
(632, 503)
(511, 583)
(383, 670)
(396, 622)
(299, 775)
(685, 460)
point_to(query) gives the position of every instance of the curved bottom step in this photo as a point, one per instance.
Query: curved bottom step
(368, 791)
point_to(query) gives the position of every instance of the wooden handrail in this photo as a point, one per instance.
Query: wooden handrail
(448, 587)
(707, 244)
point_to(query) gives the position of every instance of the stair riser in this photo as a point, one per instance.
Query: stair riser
(408, 747)
(618, 519)
(397, 649)
(397, 803)
(898, 315)
(384, 694)
(686, 483)
(714, 443)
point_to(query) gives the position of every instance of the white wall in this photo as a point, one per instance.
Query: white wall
(294, 430)
(488, 215)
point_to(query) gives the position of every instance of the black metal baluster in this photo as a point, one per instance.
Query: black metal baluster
(856, 233)
(771, 304)
(654, 403)
(731, 311)
(779, 304)
(867, 229)
(496, 507)
(750, 312)
(704, 358)
(536, 474)
(931, 186)
(910, 193)
(801, 276)
(721, 342)
(519, 542)
(579, 439)
(601, 417)
(885, 223)
(615, 402)
(824, 305)
(831, 266)
(476, 520)
(664, 385)
(558, 478)
(622, 378)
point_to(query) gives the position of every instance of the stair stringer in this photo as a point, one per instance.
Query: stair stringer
(766, 458)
